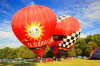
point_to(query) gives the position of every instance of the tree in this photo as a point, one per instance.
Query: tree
(48, 52)
(1, 51)
(15, 52)
(90, 47)
(97, 39)
(25, 53)
(89, 38)
(6, 52)
(81, 41)
(72, 53)
(78, 52)
(81, 44)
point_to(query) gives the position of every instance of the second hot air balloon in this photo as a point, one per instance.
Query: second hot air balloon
(66, 33)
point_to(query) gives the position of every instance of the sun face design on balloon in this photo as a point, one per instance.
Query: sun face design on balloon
(34, 31)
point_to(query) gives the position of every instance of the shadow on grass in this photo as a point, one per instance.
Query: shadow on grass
(19, 65)
(24, 65)
(31, 64)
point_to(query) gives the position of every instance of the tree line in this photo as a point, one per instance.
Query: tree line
(83, 47)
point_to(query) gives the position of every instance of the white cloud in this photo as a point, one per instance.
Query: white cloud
(5, 25)
(6, 31)
(62, 12)
(6, 13)
(7, 35)
(11, 45)
(6, 21)
(3, 11)
(27, 2)
(4, 34)
(6, 9)
(5, 4)
(95, 31)
(82, 35)
(31, 3)
(87, 14)
(90, 32)
(8, 39)
(23, 1)
(93, 11)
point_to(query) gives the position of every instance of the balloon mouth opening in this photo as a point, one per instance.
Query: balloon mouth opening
(66, 42)
(38, 48)
(58, 37)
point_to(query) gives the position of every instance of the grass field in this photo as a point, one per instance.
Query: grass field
(75, 62)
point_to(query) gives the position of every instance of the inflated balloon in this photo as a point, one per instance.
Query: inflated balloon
(33, 26)
(66, 33)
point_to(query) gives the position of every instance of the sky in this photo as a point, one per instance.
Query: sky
(86, 11)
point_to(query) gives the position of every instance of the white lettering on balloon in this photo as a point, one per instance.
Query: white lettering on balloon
(38, 44)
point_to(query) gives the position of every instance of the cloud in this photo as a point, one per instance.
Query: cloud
(90, 32)
(8, 39)
(61, 12)
(6, 31)
(4, 3)
(87, 14)
(6, 21)
(4, 34)
(27, 2)
(94, 31)
(6, 13)
(3, 11)
(31, 3)
(82, 35)
(11, 45)
(90, 15)
(7, 35)
(5, 25)
(6, 9)
(93, 11)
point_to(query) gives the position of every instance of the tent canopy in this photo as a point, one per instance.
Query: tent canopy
(95, 55)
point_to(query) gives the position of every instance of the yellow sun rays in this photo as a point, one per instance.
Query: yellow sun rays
(32, 27)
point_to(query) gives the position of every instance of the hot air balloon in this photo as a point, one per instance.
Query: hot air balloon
(66, 33)
(95, 54)
(33, 26)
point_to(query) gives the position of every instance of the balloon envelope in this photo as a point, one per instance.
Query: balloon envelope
(66, 33)
(33, 26)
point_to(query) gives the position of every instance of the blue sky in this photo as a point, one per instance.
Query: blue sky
(86, 11)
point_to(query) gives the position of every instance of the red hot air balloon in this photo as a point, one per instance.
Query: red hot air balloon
(66, 33)
(33, 26)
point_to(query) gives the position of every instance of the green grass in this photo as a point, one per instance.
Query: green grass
(75, 62)
(18, 65)
(28, 64)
